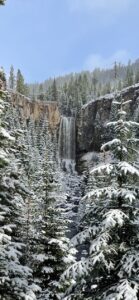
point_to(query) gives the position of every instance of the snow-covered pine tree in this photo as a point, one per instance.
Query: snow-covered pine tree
(53, 254)
(110, 270)
(14, 275)
(2, 79)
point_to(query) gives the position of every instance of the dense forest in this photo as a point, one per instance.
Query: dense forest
(73, 90)
(69, 233)
(43, 256)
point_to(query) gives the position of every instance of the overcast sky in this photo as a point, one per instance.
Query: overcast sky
(47, 38)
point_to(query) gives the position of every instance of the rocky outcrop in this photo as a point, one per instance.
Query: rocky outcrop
(36, 110)
(91, 125)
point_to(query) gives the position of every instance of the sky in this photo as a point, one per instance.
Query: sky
(49, 38)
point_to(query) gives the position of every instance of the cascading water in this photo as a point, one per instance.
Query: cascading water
(67, 143)
(71, 180)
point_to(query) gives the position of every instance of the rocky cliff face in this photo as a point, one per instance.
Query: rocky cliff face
(36, 110)
(91, 124)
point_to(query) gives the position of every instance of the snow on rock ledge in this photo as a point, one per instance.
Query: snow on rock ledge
(92, 131)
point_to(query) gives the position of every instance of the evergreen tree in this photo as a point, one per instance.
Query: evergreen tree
(20, 85)
(26, 90)
(12, 78)
(41, 92)
(129, 80)
(63, 102)
(84, 89)
(53, 254)
(107, 88)
(2, 79)
(15, 277)
(54, 91)
(94, 83)
(115, 70)
(137, 76)
(119, 87)
(110, 270)
(2, 2)
(99, 92)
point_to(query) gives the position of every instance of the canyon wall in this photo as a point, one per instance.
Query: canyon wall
(36, 110)
(93, 117)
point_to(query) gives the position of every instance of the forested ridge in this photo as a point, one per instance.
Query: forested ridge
(73, 90)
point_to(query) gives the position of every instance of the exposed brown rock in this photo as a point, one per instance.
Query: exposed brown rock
(36, 109)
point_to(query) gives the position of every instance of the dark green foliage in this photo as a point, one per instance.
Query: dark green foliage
(41, 92)
(21, 87)
(2, 79)
(129, 79)
(12, 78)
(54, 91)
(2, 2)
(137, 76)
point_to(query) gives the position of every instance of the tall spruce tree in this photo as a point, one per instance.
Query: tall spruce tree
(54, 91)
(2, 79)
(110, 270)
(12, 78)
(20, 85)
(41, 92)
(137, 76)
(129, 79)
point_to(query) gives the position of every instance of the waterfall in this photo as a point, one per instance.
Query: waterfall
(67, 143)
